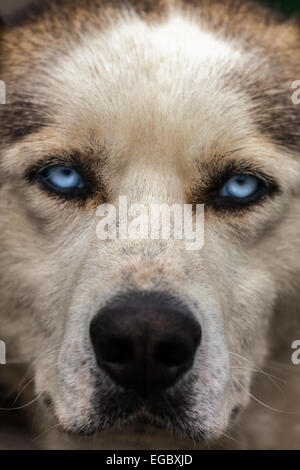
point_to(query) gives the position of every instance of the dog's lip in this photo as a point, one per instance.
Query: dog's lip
(141, 421)
(132, 431)
(140, 426)
(137, 427)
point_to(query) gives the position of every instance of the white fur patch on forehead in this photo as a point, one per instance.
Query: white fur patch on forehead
(179, 33)
(139, 84)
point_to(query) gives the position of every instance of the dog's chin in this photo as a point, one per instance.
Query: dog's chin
(138, 431)
(167, 416)
(140, 424)
(136, 435)
(141, 429)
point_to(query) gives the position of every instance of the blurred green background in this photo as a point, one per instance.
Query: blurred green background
(290, 7)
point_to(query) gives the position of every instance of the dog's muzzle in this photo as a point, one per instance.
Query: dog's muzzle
(145, 341)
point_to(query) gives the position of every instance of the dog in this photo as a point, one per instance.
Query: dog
(142, 343)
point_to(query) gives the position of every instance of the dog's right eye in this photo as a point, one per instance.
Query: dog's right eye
(62, 179)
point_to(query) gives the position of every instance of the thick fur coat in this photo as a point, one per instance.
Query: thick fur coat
(157, 101)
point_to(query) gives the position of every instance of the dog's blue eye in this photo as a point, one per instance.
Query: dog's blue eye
(240, 187)
(62, 178)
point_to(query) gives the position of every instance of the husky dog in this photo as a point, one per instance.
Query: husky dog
(142, 343)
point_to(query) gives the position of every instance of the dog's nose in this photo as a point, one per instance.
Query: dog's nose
(145, 341)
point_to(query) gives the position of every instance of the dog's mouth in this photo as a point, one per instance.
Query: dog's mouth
(178, 411)
(142, 425)
(125, 412)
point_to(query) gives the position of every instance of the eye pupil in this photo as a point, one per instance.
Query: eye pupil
(241, 180)
(66, 171)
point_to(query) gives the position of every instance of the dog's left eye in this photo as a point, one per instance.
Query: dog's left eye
(62, 179)
(241, 187)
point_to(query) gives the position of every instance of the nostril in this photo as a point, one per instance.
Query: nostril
(171, 354)
(115, 350)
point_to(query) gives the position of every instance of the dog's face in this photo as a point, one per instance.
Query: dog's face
(161, 109)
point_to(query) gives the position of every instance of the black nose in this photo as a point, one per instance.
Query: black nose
(145, 341)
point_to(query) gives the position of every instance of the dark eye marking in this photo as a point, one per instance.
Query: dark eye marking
(238, 186)
(241, 187)
(62, 179)
(240, 191)
(65, 176)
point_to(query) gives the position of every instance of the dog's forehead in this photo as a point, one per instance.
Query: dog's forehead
(173, 84)
(139, 86)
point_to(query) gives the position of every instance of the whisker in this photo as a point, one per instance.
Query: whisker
(51, 350)
(22, 390)
(23, 406)
(259, 369)
(230, 437)
(45, 432)
(256, 399)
